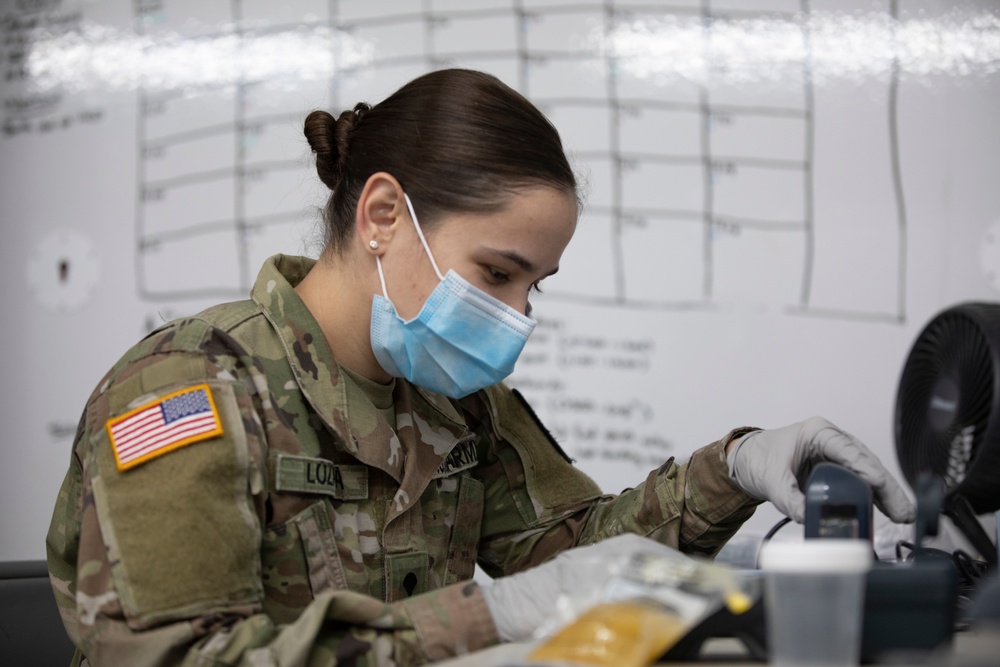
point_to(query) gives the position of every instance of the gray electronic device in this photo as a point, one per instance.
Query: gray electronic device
(910, 606)
(838, 504)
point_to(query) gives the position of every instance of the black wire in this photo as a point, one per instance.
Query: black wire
(972, 570)
(767, 538)
(968, 569)
(903, 543)
(778, 526)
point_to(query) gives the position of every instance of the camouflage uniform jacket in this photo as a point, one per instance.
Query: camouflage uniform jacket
(304, 528)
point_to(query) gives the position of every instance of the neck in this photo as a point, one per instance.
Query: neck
(338, 293)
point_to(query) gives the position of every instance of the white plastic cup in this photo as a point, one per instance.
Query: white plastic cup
(814, 593)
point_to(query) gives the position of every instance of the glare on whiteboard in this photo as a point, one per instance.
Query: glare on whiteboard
(838, 46)
(741, 51)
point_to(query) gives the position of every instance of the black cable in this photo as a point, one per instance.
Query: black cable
(774, 529)
(767, 538)
(970, 569)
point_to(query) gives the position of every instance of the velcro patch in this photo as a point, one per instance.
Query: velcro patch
(163, 425)
(462, 457)
(310, 475)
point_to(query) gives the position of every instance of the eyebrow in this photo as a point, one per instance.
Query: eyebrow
(520, 260)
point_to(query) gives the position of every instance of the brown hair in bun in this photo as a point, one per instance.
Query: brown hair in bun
(458, 141)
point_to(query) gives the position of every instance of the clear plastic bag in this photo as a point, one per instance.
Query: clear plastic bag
(651, 601)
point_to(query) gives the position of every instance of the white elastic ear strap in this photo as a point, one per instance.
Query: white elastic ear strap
(381, 276)
(420, 233)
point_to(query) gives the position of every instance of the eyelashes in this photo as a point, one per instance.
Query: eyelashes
(500, 277)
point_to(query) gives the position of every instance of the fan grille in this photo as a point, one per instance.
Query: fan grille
(946, 408)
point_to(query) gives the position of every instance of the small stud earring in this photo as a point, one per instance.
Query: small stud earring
(373, 244)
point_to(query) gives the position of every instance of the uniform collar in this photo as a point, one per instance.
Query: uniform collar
(306, 349)
(338, 401)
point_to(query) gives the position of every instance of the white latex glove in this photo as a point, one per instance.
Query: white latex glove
(766, 464)
(525, 602)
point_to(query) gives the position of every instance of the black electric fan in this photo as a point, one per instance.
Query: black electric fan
(948, 414)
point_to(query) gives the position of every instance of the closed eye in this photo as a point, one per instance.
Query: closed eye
(496, 275)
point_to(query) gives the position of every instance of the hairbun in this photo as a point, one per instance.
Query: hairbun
(346, 123)
(329, 139)
(320, 131)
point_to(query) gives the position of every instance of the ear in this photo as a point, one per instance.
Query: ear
(381, 210)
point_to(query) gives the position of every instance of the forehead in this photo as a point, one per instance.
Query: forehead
(535, 222)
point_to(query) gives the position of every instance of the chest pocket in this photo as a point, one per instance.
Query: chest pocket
(442, 541)
(299, 560)
(463, 547)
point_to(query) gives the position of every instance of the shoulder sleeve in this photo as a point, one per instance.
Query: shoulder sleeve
(693, 506)
(538, 504)
(157, 562)
(550, 479)
(535, 500)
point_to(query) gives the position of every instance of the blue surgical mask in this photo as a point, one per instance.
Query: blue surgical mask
(463, 339)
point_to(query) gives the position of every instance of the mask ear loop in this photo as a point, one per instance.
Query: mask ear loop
(420, 233)
(423, 241)
(381, 276)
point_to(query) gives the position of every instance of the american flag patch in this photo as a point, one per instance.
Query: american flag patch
(175, 420)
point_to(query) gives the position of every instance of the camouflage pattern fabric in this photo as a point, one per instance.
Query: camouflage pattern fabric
(312, 531)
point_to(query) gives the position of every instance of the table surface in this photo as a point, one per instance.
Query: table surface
(729, 652)
(969, 649)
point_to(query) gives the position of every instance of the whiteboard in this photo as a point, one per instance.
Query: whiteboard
(780, 194)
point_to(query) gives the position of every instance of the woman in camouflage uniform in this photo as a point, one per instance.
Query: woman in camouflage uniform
(301, 478)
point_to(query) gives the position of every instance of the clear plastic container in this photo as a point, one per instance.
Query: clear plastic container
(814, 601)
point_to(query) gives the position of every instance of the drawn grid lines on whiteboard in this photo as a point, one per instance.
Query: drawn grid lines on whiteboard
(676, 171)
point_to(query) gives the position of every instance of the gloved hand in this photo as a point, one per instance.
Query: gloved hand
(767, 465)
(523, 603)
